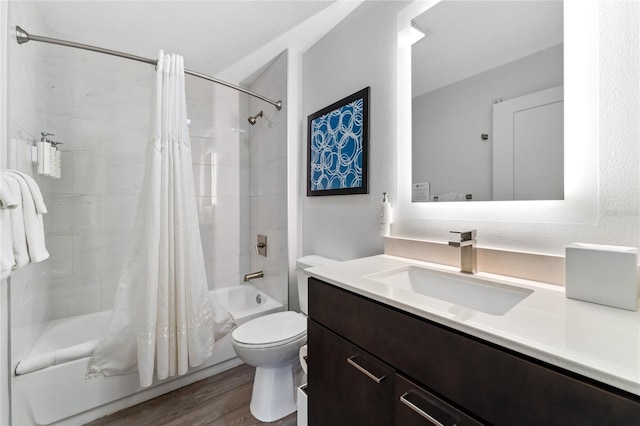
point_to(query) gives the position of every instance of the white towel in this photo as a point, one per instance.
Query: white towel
(8, 200)
(60, 356)
(16, 224)
(7, 259)
(41, 208)
(33, 222)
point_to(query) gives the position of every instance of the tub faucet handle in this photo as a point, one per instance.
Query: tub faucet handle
(261, 246)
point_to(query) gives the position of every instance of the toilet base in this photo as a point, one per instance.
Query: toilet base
(274, 392)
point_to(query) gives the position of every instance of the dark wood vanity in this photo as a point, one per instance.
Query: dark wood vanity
(372, 364)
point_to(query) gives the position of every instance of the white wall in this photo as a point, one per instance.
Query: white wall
(362, 51)
(268, 182)
(451, 119)
(358, 52)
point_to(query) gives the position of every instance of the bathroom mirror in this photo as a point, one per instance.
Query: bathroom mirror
(581, 172)
(487, 101)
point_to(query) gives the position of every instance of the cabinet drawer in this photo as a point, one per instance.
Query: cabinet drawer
(496, 385)
(416, 406)
(346, 386)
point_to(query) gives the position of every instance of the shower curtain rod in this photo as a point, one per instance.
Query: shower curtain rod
(23, 37)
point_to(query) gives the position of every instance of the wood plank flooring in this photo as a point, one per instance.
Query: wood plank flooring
(221, 400)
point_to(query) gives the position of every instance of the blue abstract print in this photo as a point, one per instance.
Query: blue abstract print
(336, 148)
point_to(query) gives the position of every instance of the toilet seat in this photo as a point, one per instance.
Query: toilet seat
(271, 330)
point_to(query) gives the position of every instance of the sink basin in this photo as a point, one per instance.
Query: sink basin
(469, 291)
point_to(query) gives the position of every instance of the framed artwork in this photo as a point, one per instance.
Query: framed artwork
(338, 145)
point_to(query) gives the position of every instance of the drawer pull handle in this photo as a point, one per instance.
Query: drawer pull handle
(418, 410)
(358, 367)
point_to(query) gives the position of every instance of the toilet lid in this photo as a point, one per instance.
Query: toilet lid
(272, 328)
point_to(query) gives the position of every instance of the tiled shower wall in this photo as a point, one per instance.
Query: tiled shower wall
(268, 187)
(99, 107)
(93, 208)
(30, 287)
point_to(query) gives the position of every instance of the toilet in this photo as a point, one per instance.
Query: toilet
(271, 344)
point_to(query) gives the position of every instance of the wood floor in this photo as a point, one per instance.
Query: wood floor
(221, 400)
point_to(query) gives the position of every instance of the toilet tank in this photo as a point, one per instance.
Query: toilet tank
(303, 284)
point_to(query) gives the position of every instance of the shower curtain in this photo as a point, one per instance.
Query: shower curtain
(163, 317)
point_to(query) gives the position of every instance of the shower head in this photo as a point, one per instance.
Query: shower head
(252, 120)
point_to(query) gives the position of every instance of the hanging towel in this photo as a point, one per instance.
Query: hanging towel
(41, 208)
(33, 222)
(163, 318)
(7, 259)
(11, 196)
(22, 226)
(16, 224)
(8, 200)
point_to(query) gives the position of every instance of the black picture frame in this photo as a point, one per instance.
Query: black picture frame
(338, 147)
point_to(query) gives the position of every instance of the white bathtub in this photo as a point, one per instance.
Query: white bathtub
(60, 394)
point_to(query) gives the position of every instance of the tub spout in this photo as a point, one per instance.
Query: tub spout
(253, 275)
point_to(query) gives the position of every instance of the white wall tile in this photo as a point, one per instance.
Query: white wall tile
(60, 249)
(218, 242)
(124, 175)
(272, 145)
(75, 296)
(272, 212)
(119, 212)
(229, 182)
(269, 178)
(74, 214)
(97, 253)
(123, 142)
(223, 272)
(89, 173)
(108, 285)
(268, 184)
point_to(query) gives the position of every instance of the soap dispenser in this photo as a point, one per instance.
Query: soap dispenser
(385, 216)
(44, 154)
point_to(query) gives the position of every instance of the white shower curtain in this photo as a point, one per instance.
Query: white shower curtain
(163, 316)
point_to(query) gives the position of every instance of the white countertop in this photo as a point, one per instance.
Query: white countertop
(596, 341)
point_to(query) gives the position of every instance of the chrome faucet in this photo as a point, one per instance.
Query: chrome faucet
(467, 244)
(253, 275)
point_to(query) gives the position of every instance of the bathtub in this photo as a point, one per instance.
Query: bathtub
(60, 395)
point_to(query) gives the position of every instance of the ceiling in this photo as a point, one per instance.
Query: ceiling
(469, 37)
(211, 35)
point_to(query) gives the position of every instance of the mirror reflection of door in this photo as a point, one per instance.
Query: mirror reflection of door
(528, 153)
(474, 54)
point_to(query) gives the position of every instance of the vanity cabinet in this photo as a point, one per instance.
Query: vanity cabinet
(355, 388)
(438, 370)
